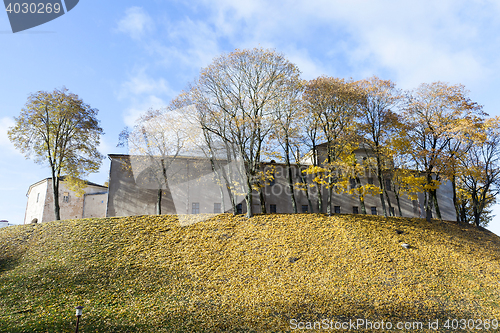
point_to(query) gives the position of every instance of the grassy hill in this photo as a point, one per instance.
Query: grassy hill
(233, 274)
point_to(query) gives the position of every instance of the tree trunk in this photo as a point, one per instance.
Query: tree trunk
(55, 189)
(428, 210)
(223, 205)
(361, 200)
(219, 180)
(249, 198)
(160, 190)
(363, 207)
(290, 187)
(388, 202)
(304, 181)
(229, 177)
(391, 211)
(158, 201)
(228, 188)
(235, 209)
(329, 199)
(463, 213)
(319, 186)
(476, 212)
(397, 200)
(436, 204)
(381, 184)
(262, 200)
(455, 201)
(382, 201)
(320, 197)
(290, 178)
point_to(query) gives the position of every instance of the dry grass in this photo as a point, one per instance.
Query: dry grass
(149, 274)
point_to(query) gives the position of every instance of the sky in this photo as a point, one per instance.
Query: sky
(123, 57)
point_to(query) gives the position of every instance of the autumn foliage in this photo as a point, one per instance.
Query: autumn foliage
(233, 274)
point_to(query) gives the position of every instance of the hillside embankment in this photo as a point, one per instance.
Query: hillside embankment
(270, 273)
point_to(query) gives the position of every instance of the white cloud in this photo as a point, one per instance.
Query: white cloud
(104, 146)
(141, 83)
(413, 42)
(139, 106)
(136, 23)
(5, 143)
(310, 67)
(408, 42)
(143, 92)
(191, 45)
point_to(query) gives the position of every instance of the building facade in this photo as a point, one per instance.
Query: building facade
(40, 205)
(192, 187)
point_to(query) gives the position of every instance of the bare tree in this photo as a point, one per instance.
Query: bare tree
(377, 123)
(155, 142)
(237, 93)
(481, 169)
(333, 102)
(287, 130)
(433, 115)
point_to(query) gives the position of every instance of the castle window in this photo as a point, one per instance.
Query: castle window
(355, 210)
(239, 209)
(374, 210)
(305, 208)
(217, 208)
(65, 197)
(37, 197)
(195, 208)
(388, 184)
(352, 182)
(370, 180)
(272, 208)
(336, 209)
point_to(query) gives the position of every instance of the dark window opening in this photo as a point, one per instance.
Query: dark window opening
(388, 184)
(272, 208)
(374, 210)
(337, 209)
(305, 208)
(239, 209)
(352, 183)
(195, 208)
(355, 210)
(217, 208)
(370, 180)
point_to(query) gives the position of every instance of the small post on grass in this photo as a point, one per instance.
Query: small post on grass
(79, 310)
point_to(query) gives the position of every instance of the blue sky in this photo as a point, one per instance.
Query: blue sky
(123, 57)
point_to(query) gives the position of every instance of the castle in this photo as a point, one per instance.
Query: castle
(193, 187)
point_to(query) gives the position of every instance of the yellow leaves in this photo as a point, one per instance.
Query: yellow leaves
(228, 273)
(313, 169)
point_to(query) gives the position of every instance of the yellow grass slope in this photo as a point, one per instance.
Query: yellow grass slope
(149, 274)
